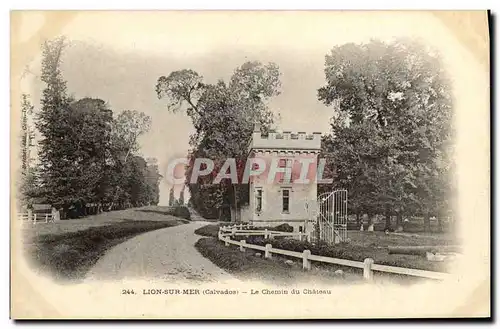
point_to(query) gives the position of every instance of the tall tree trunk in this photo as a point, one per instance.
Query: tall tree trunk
(387, 221)
(371, 225)
(399, 222)
(440, 224)
(427, 223)
(235, 204)
(117, 188)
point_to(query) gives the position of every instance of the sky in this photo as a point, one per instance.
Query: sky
(118, 57)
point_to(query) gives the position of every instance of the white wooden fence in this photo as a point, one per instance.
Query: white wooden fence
(268, 234)
(43, 218)
(368, 265)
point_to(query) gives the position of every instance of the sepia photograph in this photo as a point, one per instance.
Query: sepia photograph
(250, 164)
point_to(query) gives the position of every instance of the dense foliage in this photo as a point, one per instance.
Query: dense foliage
(391, 138)
(87, 158)
(223, 115)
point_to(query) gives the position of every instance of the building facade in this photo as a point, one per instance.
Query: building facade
(287, 185)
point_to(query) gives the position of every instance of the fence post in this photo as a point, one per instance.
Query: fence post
(34, 219)
(242, 248)
(266, 235)
(367, 269)
(233, 231)
(306, 263)
(267, 252)
(46, 218)
(226, 241)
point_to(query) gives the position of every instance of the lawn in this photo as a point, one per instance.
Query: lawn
(415, 225)
(380, 239)
(151, 213)
(68, 249)
(363, 245)
(375, 245)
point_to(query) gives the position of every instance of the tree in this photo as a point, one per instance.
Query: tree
(75, 136)
(171, 198)
(90, 149)
(74, 149)
(393, 141)
(181, 197)
(136, 187)
(153, 178)
(55, 151)
(184, 86)
(84, 152)
(128, 126)
(223, 115)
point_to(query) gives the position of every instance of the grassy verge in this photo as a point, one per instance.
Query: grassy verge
(247, 266)
(69, 255)
(380, 239)
(179, 211)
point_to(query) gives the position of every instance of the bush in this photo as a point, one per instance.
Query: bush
(182, 212)
(224, 257)
(351, 251)
(208, 230)
(283, 228)
(341, 250)
(353, 226)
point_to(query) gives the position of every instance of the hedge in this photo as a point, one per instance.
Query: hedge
(182, 212)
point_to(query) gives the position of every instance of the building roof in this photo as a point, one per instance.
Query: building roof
(286, 140)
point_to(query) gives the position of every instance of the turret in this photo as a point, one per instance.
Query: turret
(276, 140)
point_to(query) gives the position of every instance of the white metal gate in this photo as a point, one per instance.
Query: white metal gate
(331, 220)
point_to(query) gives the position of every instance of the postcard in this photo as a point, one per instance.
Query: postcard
(250, 164)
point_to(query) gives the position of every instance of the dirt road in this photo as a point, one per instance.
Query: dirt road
(166, 254)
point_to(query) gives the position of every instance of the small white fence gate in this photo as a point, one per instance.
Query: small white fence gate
(330, 219)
